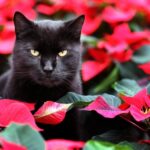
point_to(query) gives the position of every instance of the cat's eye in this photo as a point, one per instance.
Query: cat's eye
(63, 53)
(35, 52)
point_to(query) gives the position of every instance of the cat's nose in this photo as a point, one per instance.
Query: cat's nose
(48, 67)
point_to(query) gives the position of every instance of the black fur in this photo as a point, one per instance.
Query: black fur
(26, 80)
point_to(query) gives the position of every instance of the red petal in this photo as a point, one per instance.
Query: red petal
(113, 15)
(137, 37)
(6, 46)
(139, 44)
(19, 5)
(6, 145)
(102, 108)
(51, 113)
(122, 29)
(144, 141)
(47, 10)
(139, 100)
(63, 144)
(92, 68)
(91, 24)
(118, 47)
(16, 112)
(99, 54)
(145, 67)
(124, 106)
(128, 36)
(6, 102)
(123, 56)
(137, 114)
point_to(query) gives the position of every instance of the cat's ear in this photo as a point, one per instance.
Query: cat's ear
(22, 24)
(74, 26)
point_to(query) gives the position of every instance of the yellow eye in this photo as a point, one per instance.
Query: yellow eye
(34, 52)
(63, 53)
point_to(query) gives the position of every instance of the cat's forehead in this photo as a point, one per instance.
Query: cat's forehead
(49, 24)
(51, 34)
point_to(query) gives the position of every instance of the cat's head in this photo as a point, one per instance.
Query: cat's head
(48, 52)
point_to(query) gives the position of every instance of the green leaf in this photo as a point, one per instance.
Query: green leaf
(23, 135)
(135, 27)
(127, 87)
(77, 99)
(107, 82)
(112, 100)
(89, 39)
(1, 27)
(148, 88)
(142, 55)
(136, 146)
(97, 145)
(130, 70)
(119, 135)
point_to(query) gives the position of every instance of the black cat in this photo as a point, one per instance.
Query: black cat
(46, 60)
(45, 65)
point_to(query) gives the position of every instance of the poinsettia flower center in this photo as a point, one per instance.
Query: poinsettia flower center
(145, 110)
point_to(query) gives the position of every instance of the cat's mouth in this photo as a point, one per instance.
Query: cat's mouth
(48, 80)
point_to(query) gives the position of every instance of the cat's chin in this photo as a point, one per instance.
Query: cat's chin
(48, 82)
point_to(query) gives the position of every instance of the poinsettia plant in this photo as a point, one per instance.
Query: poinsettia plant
(115, 73)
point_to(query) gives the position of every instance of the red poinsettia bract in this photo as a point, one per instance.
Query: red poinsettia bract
(139, 105)
(51, 112)
(103, 108)
(114, 15)
(93, 19)
(62, 144)
(145, 67)
(7, 10)
(91, 68)
(140, 5)
(6, 145)
(14, 111)
(125, 40)
(121, 47)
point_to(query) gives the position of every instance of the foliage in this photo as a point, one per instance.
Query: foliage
(115, 73)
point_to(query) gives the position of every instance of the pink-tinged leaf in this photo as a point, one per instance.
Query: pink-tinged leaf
(139, 100)
(92, 68)
(104, 109)
(138, 114)
(113, 15)
(61, 144)
(51, 112)
(5, 102)
(11, 146)
(18, 113)
(145, 67)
